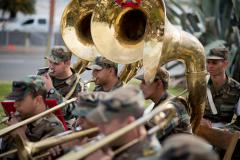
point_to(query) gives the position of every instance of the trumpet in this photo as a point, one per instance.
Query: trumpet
(44, 70)
(165, 107)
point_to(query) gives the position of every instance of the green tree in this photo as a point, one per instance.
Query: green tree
(15, 6)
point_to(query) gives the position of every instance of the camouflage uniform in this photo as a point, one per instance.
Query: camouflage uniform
(100, 63)
(42, 128)
(181, 122)
(127, 101)
(226, 98)
(63, 86)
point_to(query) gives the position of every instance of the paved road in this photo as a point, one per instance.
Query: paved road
(19, 62)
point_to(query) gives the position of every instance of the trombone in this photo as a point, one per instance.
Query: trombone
(156, 114)
(26, 149)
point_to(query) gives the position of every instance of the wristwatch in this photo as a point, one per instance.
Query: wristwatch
(51, 91)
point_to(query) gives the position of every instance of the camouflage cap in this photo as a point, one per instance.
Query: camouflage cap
(27, 85)
(59, 54)
(101, 62)
(188, 147)
(218, 53)
(162, 74)
(125, 101)
(87, 102)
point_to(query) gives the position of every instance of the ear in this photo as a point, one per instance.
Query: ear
(225, 63)
(68, 63)
(130, 119)
(38, 99)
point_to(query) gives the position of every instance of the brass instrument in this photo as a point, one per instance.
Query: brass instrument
(75, 28)
(127, 35)
(129, 71)
(3, 120)
(76, 33)
(26, 149)
(31, 119)
(165, 107)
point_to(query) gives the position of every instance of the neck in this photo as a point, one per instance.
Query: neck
(109, 85)
(65, 74)
(219, 81)
(157, 96)
(41, 107)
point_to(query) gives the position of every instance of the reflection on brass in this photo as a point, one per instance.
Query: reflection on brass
(129, 71)
(34, 118)
(127, 35)
(75, 28)
(26, 149)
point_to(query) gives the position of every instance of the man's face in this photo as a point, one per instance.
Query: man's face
(216, 66)
(112, 126)
(101, 76)
(26, 106)
(56, 68)
(148, 89)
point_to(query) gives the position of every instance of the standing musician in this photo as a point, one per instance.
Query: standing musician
(157, 92)
(29, 95)
(122, 107)
(222, 96)
(105, 73)
(62, 79)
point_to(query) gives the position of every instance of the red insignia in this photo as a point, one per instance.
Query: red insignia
(129, 3)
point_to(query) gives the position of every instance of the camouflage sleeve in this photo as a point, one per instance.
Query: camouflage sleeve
(48, 127)
(180, 122)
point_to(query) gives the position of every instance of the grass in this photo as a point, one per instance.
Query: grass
(5, 89)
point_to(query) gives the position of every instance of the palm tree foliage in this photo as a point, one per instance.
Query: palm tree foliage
(214, 22)
(15, 6)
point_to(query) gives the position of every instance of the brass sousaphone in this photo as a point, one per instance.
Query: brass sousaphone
(76, 33)
(126, 35)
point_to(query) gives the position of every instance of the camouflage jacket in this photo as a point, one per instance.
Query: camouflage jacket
(181, 121)
(117, 85)
(148, 149)
(40, 129)
(225, 100)
(62, 88)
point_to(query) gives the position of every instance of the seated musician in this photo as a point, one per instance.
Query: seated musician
(157, 92)
(222, 95)
(123, 107)
(29, 95)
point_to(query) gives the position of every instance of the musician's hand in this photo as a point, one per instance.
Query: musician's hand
(19, 131)
(55, 152)
(206, 123)
(48, 81)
